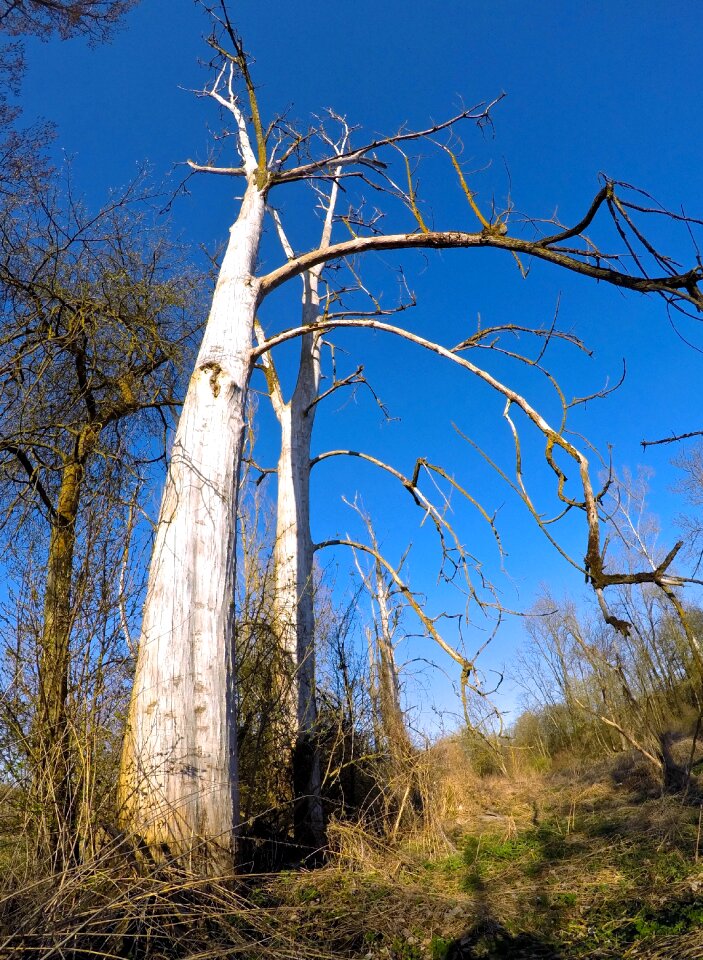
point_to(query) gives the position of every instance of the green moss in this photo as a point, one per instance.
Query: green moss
(402, 949)
(565, 899)
(439, 947)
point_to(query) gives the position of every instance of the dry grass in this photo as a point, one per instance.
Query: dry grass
(563, 866)
(103, 912)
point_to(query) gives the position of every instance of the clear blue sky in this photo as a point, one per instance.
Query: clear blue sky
(603, 86)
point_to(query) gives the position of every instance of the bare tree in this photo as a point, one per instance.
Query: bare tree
(68, 18)
(388, 714)
(293, 550)
(392, 739)
(637, 670)
(95, 320)
(179, 779)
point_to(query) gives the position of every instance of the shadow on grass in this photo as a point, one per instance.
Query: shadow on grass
(536, 851)
(559, 912)
(489, 940)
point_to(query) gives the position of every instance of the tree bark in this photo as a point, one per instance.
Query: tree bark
(294, 552)
(391, 717)
(178, 783)
(53, 780)
(295, 613)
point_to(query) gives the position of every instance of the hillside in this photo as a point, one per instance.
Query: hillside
(561, 866)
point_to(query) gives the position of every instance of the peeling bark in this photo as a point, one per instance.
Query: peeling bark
(178, 782)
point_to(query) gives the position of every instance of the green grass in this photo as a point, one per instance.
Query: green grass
(604, 875)
(439, 947)
(617, 877)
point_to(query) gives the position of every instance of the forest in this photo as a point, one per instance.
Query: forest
(350, 482)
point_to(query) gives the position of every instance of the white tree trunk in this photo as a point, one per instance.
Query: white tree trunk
(294, 583)
(391, 718)
(178, 782)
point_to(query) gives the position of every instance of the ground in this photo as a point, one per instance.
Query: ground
(596, 864)
(566, 866)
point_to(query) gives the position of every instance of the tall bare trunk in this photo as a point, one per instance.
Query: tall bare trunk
(178, 786)
(294, 585)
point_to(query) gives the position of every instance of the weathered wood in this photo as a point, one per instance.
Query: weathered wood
(295, 616)
(178, 786)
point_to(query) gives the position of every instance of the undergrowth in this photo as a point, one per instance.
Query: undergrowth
(540, 868)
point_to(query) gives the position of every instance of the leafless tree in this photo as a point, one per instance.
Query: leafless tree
(179, 779)
(637, 668)
(96, 317)
(67, 18)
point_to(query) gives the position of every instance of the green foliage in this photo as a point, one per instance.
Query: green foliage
(541, 764)
(439, 947)
(402, 949)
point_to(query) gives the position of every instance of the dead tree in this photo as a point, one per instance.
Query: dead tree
(179, 777)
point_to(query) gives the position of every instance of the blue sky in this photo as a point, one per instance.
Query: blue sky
(598, 86)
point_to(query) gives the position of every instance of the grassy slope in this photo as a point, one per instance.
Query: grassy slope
(542, 868)
(551, 867)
